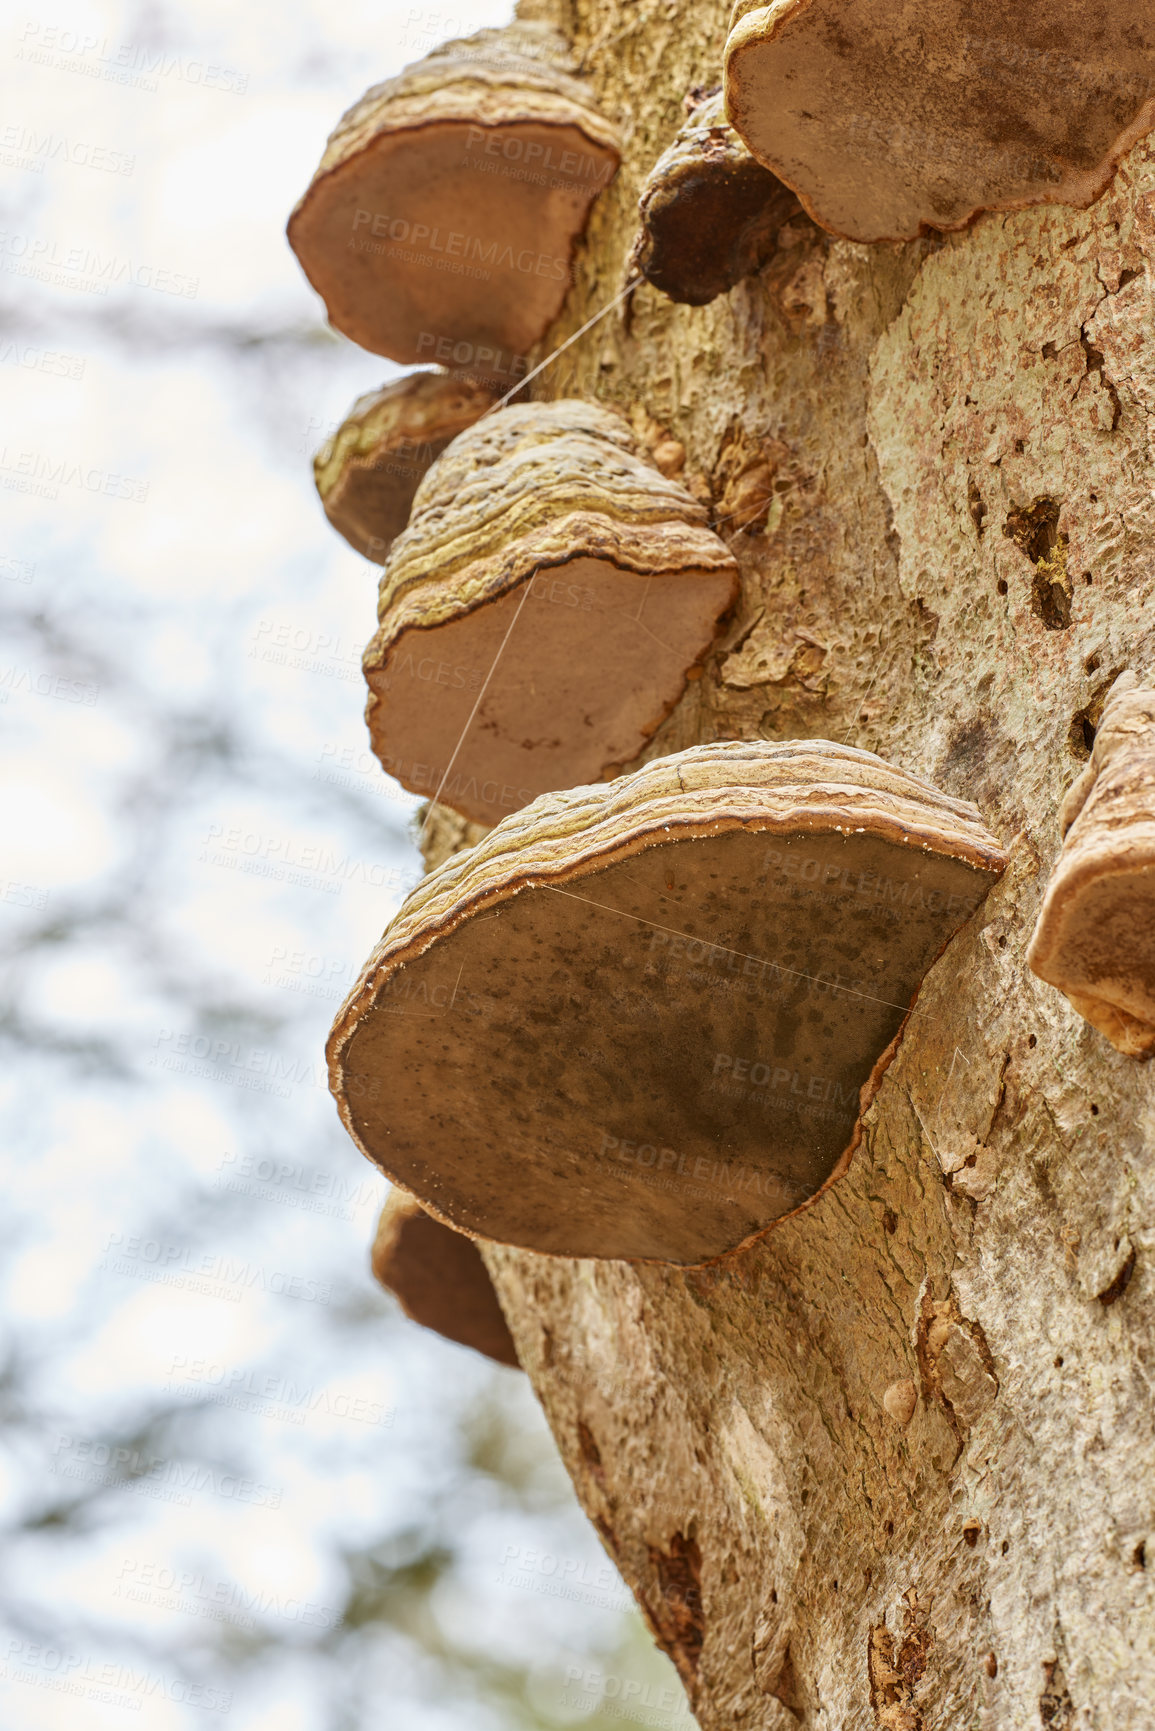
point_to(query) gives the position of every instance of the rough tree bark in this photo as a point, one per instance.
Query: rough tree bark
(895, 1466)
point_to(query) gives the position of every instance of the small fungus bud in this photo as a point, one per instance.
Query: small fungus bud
(710, 214)
(670, 456)
(900, 1400)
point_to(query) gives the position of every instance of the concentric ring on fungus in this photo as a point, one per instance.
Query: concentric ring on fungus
(369, 471)
(450, 200)
(1095, 935)
(642, 1020)
(541, 613)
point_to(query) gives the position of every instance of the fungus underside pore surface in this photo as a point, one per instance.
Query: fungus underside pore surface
(557, 681)
(657, 1058)
(889, 120)
(422, 235)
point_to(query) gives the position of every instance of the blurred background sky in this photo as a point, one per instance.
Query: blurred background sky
(240, 1490)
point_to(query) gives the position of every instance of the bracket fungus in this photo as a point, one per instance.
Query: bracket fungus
(449, 200)
(643, 1020)
(368, 472)
(710, 213)
(439, 1279)
(541, 612)
(1095, 935)
(891, 119)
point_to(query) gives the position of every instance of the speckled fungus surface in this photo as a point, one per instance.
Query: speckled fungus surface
(439, 1279)
(540, 613)
(368, 472)
(1095, 934)
(449, 200)
(893, 117)
(643, 1020)
(710, 213)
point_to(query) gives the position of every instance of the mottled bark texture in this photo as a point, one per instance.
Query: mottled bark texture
(894, 1466)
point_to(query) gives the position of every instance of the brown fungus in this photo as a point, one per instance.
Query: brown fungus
(710, 214)
(449, 200)
(541, 611)
(891, 118)
(439, 1279)
(643, 1020)
(368, 472)
(1095, 935)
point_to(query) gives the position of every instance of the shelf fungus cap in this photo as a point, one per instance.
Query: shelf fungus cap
(891, 118)
(643, 1020)
(368, 472)
(438, 1278)
(710, 214)
(1095, 935)
(449, 200)
(540, 614)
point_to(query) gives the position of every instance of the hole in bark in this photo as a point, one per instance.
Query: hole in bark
(890, 1220)
(1001, 585)
(1032, 1042)
(1059, 1362)
(1005, 1547)
(1092, 664)
(1139, 1555)
(976, 506)
(1094, 1111)
(890, 1529)
(1111, 1294)
(1035, 531)
(1085, 721)
(971, 1532)
(1087, 577)
(1056, 1709)
(589, 1450)
(1002, 943)
(895, 1673)
(1051, 590)
(1020, 445)
(1049, 351)
(992, 1665)
(679, 1624)
(1081, 736)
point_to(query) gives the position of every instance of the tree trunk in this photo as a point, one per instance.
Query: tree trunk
(894, 1466)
